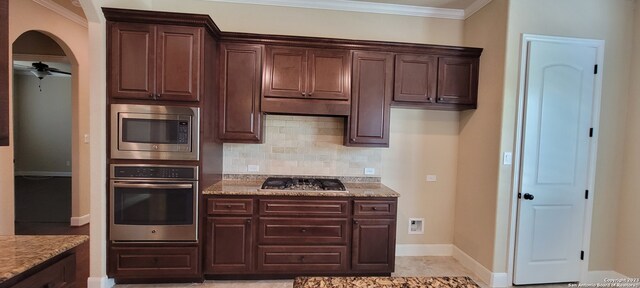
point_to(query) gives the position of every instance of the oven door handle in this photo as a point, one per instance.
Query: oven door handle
(152, 186)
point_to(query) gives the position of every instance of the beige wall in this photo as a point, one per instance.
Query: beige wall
(611, 21)
(628, 234)
(42, 125)
(73, 39)
(479, 155)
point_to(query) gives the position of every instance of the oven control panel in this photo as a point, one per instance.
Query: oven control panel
(129, 171)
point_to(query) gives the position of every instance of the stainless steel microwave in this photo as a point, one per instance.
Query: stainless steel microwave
(154, 132)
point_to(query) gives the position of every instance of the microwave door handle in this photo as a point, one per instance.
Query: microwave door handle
(153, 186)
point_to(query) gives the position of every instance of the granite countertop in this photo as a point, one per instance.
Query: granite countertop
(21, 253)
(383, 282)
(251, 187)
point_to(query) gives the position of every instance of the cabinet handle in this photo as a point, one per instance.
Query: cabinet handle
(440, 99)
(309, 94)
(355, 222)
(353, 140)
(303, 230)
(301, 258)
(248, 221)
(151, 95)
(374, 208)
(304, 94)
(158, 96)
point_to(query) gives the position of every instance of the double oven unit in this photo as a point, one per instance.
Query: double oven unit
(152, 202)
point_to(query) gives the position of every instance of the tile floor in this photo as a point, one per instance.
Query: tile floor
(405, 266)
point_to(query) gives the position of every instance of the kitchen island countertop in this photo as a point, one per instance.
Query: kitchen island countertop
(23, 252)
(252, 187)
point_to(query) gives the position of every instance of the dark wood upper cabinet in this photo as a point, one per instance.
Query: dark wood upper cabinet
(372, 87)
(458, 80)
(329, 72)
(240, 83)
(4, 72)
(306, 81)
(416, 78)
(155, 61)
(178, 62)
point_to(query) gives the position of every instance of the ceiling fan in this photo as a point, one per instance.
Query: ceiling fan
(42, 70)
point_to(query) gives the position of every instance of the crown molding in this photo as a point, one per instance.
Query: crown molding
(357, 6)
(64, 12)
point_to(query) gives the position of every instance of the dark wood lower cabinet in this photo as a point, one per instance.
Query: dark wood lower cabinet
(60, 274)
(156, 263)
(297, 236)
(373, 247)
(229, 245)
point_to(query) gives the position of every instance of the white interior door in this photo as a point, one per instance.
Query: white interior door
(559, 96)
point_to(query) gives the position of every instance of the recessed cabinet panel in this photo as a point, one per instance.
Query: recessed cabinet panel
(228, 248)
(416, 78)
(178, 62)
(329, 74)
(371, 98)
(373, 244)
(457, 80)
(241, 70)
(133, 63)
(286, 72)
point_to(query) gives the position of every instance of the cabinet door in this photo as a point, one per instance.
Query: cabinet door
(178, 60)
(240, 116)
(457, 80)
(373, 247)
(416, 77)
(329, 74)
(228, 246)
(285, 72)
(371, 97)
(132, 63)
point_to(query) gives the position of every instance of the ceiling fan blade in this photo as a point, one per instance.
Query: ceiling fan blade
(58, 72)
(22, 67)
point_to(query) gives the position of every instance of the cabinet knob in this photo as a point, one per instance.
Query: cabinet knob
(355, 222)
(353, 140)
(151, 95)
(158, 96)
(429, 99)
(440, 99)
(304, 94)
(309, 94)
(301, 258)
(374, 208)
(303, 230)
(248, 221)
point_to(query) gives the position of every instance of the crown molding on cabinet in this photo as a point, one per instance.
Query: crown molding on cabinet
(370, 7)
(64, 12)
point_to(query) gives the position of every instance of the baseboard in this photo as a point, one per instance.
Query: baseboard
(80, 221)
(424, 250)
(43, 173)
(488, 277)
(595, 277)
(100, 282)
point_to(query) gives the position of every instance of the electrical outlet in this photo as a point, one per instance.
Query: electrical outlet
(432, 178)
(416, 225)
(86, 138)
(68, 163)
(369, 171)
(253, 168)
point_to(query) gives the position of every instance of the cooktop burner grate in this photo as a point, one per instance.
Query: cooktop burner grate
(311, 184)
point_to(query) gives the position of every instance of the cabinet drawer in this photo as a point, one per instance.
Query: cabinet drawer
(60, 274)
(292, 259)
(157, 262)
(229, 206)
(302, 231)
(332, 208)
(374, 208)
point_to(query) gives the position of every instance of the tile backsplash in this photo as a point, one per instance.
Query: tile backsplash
(302, 145)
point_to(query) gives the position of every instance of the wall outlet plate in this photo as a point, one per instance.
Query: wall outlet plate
(416, 225)
(507, 159)
(432, 178)
(253, 168)
(369, 171)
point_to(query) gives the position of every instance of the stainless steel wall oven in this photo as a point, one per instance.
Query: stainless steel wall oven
(153, 203)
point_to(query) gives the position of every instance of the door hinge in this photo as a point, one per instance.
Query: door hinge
(595, 69)
(519, 195)
(590, 132)
(582, 255)
(586, 194)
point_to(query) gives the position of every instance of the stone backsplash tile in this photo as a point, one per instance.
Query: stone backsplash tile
(302, 145)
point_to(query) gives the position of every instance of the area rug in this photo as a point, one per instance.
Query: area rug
(384, 282)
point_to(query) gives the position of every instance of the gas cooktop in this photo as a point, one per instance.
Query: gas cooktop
(303, 184)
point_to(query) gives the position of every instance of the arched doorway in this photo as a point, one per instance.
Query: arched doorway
(42, 128)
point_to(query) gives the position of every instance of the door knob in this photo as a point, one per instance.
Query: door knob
(528, 196)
